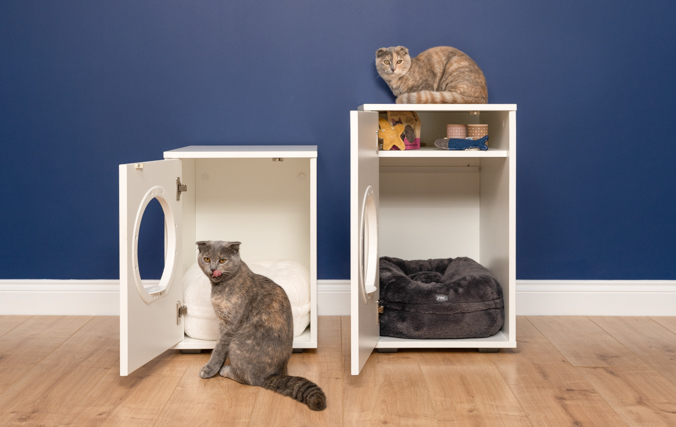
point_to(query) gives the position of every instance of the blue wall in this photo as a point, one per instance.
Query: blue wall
(85, 86)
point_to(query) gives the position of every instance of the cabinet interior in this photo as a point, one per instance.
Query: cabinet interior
(443, 204)
(434, 125)
(265, 203)
(262, 203)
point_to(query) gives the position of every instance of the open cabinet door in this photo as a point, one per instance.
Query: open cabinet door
(148, 314)
(364, 195)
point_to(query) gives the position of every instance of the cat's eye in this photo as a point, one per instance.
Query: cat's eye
(207, 259)
(222, 261)
(400, 61)
(386, 62)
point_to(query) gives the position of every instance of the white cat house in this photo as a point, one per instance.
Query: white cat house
(431, 203)
(262, 196)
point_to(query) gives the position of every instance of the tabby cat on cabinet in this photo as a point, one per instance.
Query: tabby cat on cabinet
(439, 75)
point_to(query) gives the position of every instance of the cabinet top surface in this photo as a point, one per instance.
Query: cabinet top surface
(242, 152)
(437, 107)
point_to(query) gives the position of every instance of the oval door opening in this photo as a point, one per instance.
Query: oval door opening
(368, 246)
(154, 248)
(151, 245)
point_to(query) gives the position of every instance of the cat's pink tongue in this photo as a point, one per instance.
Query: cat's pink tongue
(216, 273)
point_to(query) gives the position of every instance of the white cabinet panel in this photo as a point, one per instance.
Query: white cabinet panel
(148, 316)
(364, 195)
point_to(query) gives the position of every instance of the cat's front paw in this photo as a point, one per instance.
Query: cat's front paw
(208, 372)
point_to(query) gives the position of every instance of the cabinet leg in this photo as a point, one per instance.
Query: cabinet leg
(387, 350)
(488, 350)
(191, 351)
(297, 350)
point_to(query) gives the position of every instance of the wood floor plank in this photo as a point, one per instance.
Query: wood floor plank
(549, 389)
(372, 398)
(7, 323)
(31, 341)
(345, 327)
(389, 390)
(640, 395)
(216, 401)
(531, 345)
(467, 389)
(358, 399)
(667, 322)
(402, 395)
(649, 340)
(452, 357)
(52, 388)
(327, 356)
(582, 342)
(134, 400)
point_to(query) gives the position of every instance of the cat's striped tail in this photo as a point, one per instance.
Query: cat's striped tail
(298, 388)
(431, 97)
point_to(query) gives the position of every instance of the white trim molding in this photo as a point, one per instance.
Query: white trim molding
(596, 297)
(60, 297)
(533, 297)
(333, 297)
(102, 297)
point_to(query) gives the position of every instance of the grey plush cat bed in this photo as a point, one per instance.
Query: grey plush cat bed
(439, 298)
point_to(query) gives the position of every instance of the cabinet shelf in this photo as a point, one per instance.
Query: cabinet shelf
(437, 153)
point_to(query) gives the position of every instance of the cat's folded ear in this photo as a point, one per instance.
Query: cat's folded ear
(201, 245)
(233, 245)
(402, 50)
(381, 51)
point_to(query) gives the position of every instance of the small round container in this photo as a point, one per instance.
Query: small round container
(456, 131)
(477, 131)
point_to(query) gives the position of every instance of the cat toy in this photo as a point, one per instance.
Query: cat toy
(391, 135)
(462, 143)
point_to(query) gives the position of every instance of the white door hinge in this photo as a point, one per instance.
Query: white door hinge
(180, 188)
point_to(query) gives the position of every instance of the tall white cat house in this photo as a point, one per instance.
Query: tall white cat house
(262, 196)
(431, 203)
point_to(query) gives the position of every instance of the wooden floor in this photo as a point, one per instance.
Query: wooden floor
(570, 371)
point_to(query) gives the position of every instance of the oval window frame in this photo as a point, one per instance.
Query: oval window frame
(368, 235)
(158, 193)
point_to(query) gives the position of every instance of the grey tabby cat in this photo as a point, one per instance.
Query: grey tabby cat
(440, 75)
(255, 328)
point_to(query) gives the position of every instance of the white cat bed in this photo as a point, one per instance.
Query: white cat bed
(201, 321)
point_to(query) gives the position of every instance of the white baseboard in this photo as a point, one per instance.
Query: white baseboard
(596, 297)
(333, 297)
(533, 297)
(102, 297)
(60, 297)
